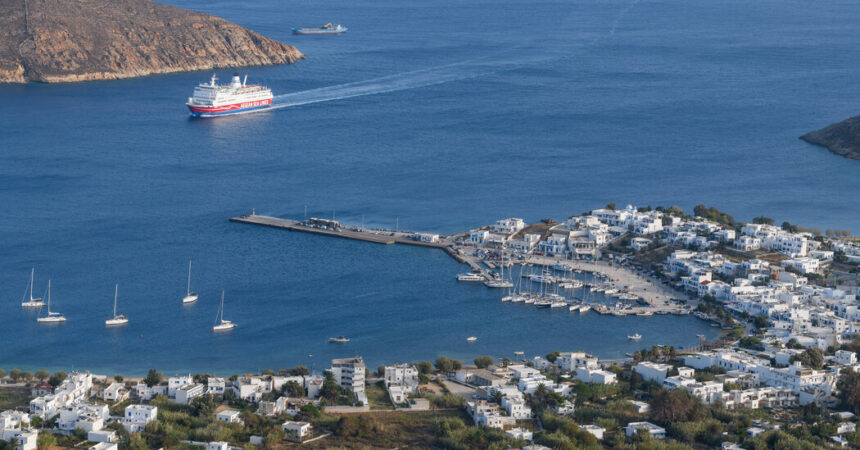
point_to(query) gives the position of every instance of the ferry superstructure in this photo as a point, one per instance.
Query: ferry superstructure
(211, 99)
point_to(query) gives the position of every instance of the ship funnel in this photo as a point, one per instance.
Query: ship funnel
(236, 82)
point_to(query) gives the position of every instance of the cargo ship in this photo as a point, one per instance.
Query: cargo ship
(328, 28)
(211, 99)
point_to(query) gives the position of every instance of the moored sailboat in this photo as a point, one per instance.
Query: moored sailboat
(33, 302)
(52, 317)
(117, 319)
(190, 297)
(220, 323)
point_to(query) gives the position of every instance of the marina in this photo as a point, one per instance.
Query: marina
(579, 286)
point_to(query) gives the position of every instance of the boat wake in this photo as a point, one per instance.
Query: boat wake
(465, 70)
(393, 83)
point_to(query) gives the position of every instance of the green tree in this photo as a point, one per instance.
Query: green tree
(380, 371)
(15, 374)
(551, 357)
(483, 361)
(425, 367)
(268, 372)
(811, 357)
(610, 205)
(763, 220)
(2, 373)
(294, 389)
(57, 378)
(153, 377)
(27, 376)
(751, 342)
(118, 378)
(203, 406)
(677, 405)
(42, 375)
(299, 371)
(849, 389)
(444, 365)
(309, 412)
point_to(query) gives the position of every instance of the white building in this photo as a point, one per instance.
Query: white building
(595, 430)
(509, 226)
(174, 383)
(655, 431)
(116, 392)
(401, 374)
(137, 416)
(297, 431)
(188, 392)
(520, 433)
(349, 373)
(216, 385)
(229, 416)
(651, 371)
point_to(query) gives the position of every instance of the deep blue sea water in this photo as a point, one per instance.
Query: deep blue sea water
(475, 110)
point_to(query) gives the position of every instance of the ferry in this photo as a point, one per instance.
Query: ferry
(211, 99)
(470, 277)
(328, 28)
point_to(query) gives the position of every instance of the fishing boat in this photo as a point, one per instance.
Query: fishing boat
(328, 28)
(33, 302)
(662, 313)
(52, 317)
(471, 339)
(634, 337)
(338, 340)
(584, 309)
(471, 277)
(220, 323)
(190, 297)
(117, 319)
(645, 314)
(573, 308)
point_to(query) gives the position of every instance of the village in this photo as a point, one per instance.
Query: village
(785, 369)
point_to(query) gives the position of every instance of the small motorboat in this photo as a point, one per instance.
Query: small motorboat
(471, 339)
(634, 337)
(338, 340)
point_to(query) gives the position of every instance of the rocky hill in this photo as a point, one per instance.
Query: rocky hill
(842, 138)
(78, 40)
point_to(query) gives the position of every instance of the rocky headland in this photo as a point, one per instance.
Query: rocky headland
(842, 138)
(79, 40)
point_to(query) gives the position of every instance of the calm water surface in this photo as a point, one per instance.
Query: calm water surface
(473, 111)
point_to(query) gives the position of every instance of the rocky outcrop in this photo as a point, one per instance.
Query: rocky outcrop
(842, 138)
(78, 40)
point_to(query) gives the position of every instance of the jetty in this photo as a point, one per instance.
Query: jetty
(653, 298)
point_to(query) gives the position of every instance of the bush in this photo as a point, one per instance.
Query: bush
(483, 361)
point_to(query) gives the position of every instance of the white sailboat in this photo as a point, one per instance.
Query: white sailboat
(118, 319)
(190, 297)
(220, 323)
(52, 317)
(33, 302)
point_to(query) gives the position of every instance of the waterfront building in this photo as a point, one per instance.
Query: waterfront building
(174, 383)
(216, 385)
(349, 373)
(401, 374)
(509, 226)
(116, 392)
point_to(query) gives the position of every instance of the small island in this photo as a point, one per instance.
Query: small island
(842, 138)
(55, 41)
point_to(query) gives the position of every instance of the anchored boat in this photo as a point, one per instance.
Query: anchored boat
(34, 302)
(52, 317)
(117, 319)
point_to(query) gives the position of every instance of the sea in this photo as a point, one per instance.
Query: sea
(436, 116)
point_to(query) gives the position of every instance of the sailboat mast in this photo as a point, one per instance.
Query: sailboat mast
(222, 306)
(49, 296)
(188, 289)
(115, 293)
(32, 273)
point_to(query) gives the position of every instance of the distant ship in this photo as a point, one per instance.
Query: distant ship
(338, 340)
(211, 99)
(328, 28)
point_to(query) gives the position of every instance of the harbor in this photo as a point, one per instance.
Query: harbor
(580, 286)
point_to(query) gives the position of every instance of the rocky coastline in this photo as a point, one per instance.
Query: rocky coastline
(842, 138)
(55, 41)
